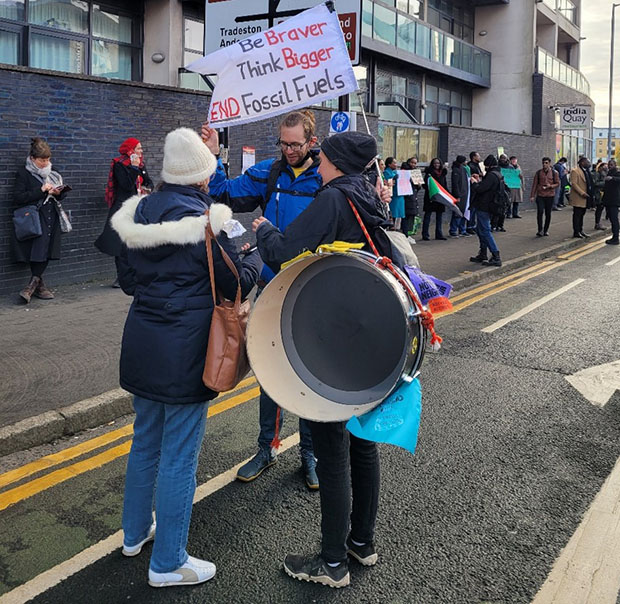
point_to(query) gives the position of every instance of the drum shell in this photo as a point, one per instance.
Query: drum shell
(273, 358)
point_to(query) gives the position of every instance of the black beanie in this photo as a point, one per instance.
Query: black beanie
(350, 152)
(490, 161)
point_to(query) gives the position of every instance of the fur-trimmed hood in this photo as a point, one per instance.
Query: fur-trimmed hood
(167, 218)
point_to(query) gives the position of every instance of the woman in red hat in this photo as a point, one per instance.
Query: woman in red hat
(128, 176)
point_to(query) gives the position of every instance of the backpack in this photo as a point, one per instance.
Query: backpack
(501, 199)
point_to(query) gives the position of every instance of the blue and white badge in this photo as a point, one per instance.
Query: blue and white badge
(340, 122)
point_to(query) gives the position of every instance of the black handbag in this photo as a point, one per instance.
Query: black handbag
(27, 222)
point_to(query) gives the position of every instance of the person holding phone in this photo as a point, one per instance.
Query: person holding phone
(37, 184)
(127, 177)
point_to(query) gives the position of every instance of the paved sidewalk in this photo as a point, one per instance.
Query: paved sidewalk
(55, 353)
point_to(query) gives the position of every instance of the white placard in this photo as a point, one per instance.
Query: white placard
(248, 158)
(229, 21)
(575, 116)
(302, 61)
(403, 184)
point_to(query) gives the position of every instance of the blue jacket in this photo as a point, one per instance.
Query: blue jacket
(291, 196)
(165, 269)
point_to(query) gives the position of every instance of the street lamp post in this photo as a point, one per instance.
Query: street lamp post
(611, 79)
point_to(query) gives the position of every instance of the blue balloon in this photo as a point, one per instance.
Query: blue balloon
(395, 421)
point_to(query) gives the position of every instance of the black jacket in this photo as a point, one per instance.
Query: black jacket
(611, 195)
(486, 189)
(474, 168)
(46, 247)
(327, 219)
(125, 178)
(433, 206)
(459, 178)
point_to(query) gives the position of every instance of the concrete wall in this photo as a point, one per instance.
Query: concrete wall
(84, 119)
(163, 33)
(507, 103)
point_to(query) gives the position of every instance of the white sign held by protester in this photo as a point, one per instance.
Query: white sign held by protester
(403, 184)
(302, 61)
(248, 158)
(229, 21)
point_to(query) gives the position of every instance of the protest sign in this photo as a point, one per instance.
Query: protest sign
(248, 158)
(302, 61)
(512, 177)
(416, 177)
(403, 184)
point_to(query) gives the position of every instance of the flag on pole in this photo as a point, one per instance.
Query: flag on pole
(299, 62)
(438, 194)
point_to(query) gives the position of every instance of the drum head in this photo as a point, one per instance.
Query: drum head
(331, 336)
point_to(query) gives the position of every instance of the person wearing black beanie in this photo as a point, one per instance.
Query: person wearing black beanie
(346, 529)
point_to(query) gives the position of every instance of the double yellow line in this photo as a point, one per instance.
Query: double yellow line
(28, 489)
(481, 292)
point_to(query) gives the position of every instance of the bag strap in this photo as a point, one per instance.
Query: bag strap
(272, 180)
(209, 237)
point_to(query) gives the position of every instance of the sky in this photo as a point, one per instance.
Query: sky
(596, 28)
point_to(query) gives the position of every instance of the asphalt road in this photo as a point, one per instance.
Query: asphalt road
(510, 457)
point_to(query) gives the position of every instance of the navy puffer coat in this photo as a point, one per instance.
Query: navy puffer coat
(165, 269)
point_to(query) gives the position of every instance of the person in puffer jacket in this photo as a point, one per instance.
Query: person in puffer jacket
(164, 267)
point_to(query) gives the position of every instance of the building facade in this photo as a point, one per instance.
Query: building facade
(437, 78)
(601, 140)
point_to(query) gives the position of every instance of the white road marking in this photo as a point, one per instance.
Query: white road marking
(495, 326)
(612, 262)
(48, 579)
(588, 568)
(598, 383)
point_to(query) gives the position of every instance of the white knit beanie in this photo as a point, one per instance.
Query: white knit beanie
(187, 161)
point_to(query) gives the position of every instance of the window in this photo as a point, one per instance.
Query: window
(455, 20)
(74, 36)
(449, 104)
(384, 25)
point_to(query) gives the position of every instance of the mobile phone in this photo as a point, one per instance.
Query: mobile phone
(249, 251)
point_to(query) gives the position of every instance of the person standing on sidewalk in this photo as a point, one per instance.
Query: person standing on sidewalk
(163, 265)
(434, 170)
(127, 177)
(348, 466)
(473, 166)
(544, 185)
(485, 194)
(36, 183)
(581, 195)
(598, 178)
(611, 199)
(514, 181)
(460, 190)
(498, 218)
(560, 168)
(411, 201)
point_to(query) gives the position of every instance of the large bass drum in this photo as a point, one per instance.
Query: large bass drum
(332, 335)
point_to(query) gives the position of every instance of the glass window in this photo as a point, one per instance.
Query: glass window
(466, 100)
(414, 89)
(455, 99)
(455, 116)
(9, 47)
(428, 145)
(68, 15)
(406, 34)
(437, 40)
(432, 94)
(110, 25)
(430, 114)
(465, 117)
(449, 51)
(443, 115)
(194, 35)
(190, 57)
(444, 96)
(422, 40)
(384, 25)
(432, 16)
(445, 24)
(111, 60)
(415, 8)
(406, 142)
(402, 5)
(58, 54)
(12, 9)
(367, 18)
(468, 34)
(399, 85)
(466, 58)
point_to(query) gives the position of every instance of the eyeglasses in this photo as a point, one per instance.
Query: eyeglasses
(290, 146)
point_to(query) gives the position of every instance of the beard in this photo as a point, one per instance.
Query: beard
(301, 162)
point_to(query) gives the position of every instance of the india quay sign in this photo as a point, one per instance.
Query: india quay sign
(229, 21)
(575, 117)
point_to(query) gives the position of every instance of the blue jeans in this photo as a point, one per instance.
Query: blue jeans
(267, 418)
(484, 232)
(472, 218)
(165, 447)
(458, 224)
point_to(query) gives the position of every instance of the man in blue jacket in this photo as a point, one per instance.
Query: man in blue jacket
(283, 189)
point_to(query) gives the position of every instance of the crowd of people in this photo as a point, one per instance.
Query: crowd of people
(306, 196)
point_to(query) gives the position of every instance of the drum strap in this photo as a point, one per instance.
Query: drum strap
(426, 315)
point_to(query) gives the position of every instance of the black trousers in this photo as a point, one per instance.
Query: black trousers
(346, 466)
(544, 205)
(38, 268)
(578, 214)
(612, 211)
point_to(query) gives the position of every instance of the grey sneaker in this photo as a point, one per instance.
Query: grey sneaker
(133, 550)
(308, 466)
(193, 572)
(364, 554)
(316, 570)
(254, 468)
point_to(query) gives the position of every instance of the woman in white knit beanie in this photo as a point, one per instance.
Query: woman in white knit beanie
(163, 350)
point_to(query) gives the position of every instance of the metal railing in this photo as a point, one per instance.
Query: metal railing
(566, 8)
(557, 70)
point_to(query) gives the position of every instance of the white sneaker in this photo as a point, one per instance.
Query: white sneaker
(193, 572)
(134, 550)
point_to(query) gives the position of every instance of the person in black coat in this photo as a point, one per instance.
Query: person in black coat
(483, 197)
(163, 264)
(127, 177)
(439, 173)
(611, 200)
(37, 184)
(460, 190)
(340, 455)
